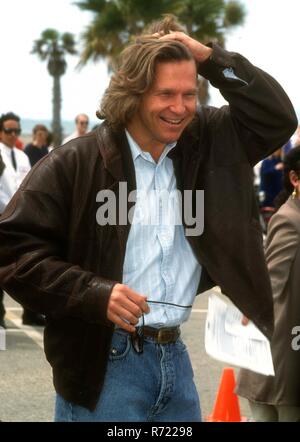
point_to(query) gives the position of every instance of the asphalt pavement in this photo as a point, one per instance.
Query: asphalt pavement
(26, 390)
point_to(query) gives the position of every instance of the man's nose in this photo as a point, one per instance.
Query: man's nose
(178, 106)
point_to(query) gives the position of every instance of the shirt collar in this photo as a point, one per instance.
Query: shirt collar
(5, 148)
(136, 151)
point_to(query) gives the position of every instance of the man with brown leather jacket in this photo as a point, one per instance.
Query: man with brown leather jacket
(116, 288)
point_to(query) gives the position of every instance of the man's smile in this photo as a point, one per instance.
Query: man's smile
(173, 121)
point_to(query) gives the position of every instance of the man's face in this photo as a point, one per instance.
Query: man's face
(40, 137)
(10, 132)
(168, 107)
(82, 124)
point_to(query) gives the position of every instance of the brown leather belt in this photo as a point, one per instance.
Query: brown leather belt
(165, 335)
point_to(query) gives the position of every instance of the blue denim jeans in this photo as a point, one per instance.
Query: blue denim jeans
(154, 386)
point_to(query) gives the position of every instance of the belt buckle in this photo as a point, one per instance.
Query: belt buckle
(161, 339)
(165, 336)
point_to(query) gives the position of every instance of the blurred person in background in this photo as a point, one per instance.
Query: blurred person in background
(16, 162)
(15, 166)
(271, 178)
(19, 144)
(295, 139)
(39, 146)
(82, 123)
(277, 398)
(287, 147)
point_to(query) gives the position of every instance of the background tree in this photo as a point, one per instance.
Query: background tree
(209, 20)
(53, 46)
(115, 21)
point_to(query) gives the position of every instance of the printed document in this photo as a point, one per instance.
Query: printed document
(227, 340)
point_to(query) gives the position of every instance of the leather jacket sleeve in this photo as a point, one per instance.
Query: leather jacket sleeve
(259, 111)
(34, 267)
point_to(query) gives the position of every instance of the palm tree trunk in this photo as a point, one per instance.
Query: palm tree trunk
(203, 93)
(56, 107)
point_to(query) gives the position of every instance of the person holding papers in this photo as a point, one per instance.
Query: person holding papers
(277, 399)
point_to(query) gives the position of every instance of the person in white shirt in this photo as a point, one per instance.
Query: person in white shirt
(16, 162)
(15, 166)
(82, 123)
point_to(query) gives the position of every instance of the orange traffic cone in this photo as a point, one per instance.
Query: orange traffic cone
(227, 408)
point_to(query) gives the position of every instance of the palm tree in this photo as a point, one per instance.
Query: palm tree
(115, 21)
(53, 46)
(210, 20)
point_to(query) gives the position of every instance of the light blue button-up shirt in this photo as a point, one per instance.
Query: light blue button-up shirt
(159, 262)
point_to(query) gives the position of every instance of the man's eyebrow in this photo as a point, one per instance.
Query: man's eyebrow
(164, 90)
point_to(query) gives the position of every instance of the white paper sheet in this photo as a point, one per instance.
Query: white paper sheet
(227, 340)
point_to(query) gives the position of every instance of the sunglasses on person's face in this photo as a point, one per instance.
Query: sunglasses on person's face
(11, 130)
(85, 123)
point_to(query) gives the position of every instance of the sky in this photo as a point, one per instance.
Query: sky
(269, 39)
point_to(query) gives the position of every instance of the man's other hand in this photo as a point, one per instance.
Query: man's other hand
(126, 306)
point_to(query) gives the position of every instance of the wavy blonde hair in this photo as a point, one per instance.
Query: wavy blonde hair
(136, 71)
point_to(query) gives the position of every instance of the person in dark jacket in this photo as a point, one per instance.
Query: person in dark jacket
(271, 173)
(98, 251)
(39, 146)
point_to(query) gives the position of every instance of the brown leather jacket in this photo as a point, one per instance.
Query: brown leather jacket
(56, 259)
